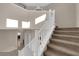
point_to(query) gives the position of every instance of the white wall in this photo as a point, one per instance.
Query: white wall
(8, 11)
(8, 40)
(65, 14)
(12, 11)
(77, 15)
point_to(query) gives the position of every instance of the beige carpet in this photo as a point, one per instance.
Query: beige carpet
(64, 42)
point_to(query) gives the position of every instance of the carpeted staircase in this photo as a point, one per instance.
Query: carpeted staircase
(64, 42)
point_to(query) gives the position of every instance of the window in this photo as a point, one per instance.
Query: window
(40, 19)
(12, 23)
(25, 24)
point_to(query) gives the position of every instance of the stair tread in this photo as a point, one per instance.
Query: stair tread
(74, 33)
(66, 31)
(49, 53)
(66, 42)
(69, 28)
(63, 49)
(66, 35)
(53, 53)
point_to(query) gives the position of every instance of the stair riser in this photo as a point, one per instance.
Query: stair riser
(68, 33)
(67, 38)
(59, 53)
(69, 46)
(64, 37)
(68, 29)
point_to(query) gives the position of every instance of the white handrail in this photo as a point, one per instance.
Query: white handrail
(37, 45)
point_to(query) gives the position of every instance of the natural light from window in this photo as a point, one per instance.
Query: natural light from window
(25, 24)
(40, 19)
(12, 23)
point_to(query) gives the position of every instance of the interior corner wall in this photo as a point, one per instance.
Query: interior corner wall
(65, 14)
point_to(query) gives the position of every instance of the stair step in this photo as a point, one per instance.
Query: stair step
(70, 29)
(67, 31)
(75, 33)
(66, 37)
(70, 45)
(63, 49)
(53, 52)
(65, 42)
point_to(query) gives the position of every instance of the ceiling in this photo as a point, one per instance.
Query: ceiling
(15, 12)
(36, 4)
(32, 6)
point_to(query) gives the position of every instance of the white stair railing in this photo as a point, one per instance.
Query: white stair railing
(39, 42)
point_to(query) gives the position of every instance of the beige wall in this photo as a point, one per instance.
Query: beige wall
(9, 11)
(8, 42)
(14, 12)
(77, 15)
(65, 14)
